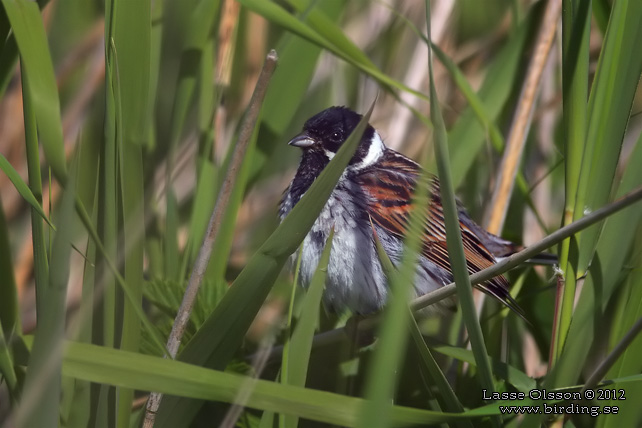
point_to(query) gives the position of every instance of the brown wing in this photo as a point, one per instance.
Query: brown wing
(389, 189)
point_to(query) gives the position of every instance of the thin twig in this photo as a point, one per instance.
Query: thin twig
(203, 257)
(522, 121)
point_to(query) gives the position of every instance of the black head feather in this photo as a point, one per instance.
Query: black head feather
(330, 128)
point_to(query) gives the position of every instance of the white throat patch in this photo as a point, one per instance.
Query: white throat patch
(375, 151)
(328, 154)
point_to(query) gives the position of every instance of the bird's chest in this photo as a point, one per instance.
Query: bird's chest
(354, 277)
(340, 214)
(344, 212)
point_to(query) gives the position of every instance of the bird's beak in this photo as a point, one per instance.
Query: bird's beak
(303, 141)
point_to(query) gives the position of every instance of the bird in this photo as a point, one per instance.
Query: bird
(372, 201)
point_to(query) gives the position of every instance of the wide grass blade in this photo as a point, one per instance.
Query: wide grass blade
(222, 333)
(121, 368)
(142, 372)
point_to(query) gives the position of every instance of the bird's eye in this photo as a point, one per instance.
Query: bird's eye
(336, 136)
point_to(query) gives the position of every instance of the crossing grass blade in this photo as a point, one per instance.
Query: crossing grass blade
(221, 334)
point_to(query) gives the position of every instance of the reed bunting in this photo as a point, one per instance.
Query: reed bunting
(374, 196)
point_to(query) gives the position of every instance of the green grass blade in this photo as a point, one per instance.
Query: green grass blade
(606, 274)
(429, 364)
(142, 372)
(202, 207)
(206, 179)
(132, 21)
(222, 246)
(382, 376)
(616, 79)
(9, 312)
(108, 204)
(29, 31)
(202, 22)
(454, 239)
(222, 333)
(39, 243)
(301, 342)
(576, 17)
(629, 362)
(41, 394)
(382, 380)
(93, 234)
(104, 411)
(614, 84)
